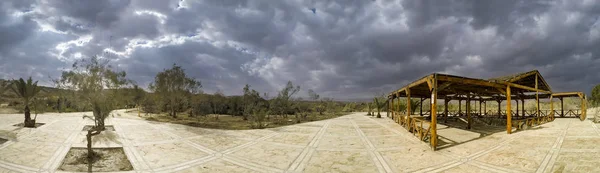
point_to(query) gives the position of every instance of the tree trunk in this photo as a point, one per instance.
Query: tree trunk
(90, 155)
(28, 122)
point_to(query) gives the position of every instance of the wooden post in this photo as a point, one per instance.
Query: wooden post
(484, 107)
(421, 109)
(480, 101)
(408, 111)
(433, 124)
(523, 106)
(446, 100)
(499, 107)
(517, 112)
(508, 112)
(468, 109)
(391, 106)
(562, 108)
(551, 107)
(459, 107)
(537, 98)
(398, 96)
(582, 115)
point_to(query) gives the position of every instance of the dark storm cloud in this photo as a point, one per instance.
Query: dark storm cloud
(343, 49)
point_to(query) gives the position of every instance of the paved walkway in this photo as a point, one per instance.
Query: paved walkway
(352, 143)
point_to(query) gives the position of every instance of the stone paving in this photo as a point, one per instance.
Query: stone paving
(352, 143)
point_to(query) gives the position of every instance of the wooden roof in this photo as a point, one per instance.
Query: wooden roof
(525, 79)
(451, 85)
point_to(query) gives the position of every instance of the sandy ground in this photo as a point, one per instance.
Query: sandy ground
(351, 143)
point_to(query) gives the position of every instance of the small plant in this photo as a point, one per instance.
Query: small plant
(369, 109)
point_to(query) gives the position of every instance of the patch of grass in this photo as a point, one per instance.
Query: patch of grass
(229, 122)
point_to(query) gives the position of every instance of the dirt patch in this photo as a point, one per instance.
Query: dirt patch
(105, 160)
(36, 125)
(106, 128)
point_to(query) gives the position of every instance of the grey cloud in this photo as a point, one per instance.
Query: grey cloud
(345, 49)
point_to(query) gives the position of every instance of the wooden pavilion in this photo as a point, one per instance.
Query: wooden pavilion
(522, 86)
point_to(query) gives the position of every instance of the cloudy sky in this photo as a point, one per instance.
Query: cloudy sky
(340, 48)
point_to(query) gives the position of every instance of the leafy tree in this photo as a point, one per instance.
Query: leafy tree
(27, 91)
(97, 85)
(172, 86)
(283, 103)
(319, 107)
(138, 96)
(595, 101)
(251, 102)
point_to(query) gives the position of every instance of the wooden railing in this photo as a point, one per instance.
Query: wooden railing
(533, 121)
(414, 125)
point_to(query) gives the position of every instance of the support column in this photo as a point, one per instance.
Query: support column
(537, 98)
(421, 109)
(397, 108)
(499, 107)
(523, 107)
(562, 108)
(459, 107)
(508, 112)
(408, 111)
(446, 100)
(480, 101)
(517, 112)
(433, 124)
(551, 106)
(391, 106)
(484, 107)
(468, 109)
(583, 109)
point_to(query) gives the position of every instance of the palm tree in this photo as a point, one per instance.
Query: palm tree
(379, 104)
(27, 91)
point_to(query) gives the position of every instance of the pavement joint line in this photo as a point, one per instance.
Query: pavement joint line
(59, 155)
(17, 167)
(200, 147)
(250, 165)
(302, 159)
(137, 161)
(551, 157)
(193, 162)
(495, 168)
(381, 164)
(441, 167)
(248, 144)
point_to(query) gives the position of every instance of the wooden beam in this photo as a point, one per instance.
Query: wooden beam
(415, 83)
(469, 81)
(527, 88)
(508, 111)
(501, 91)
(523, 76)
(444, 86)
(429, 83)
(565, 94)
